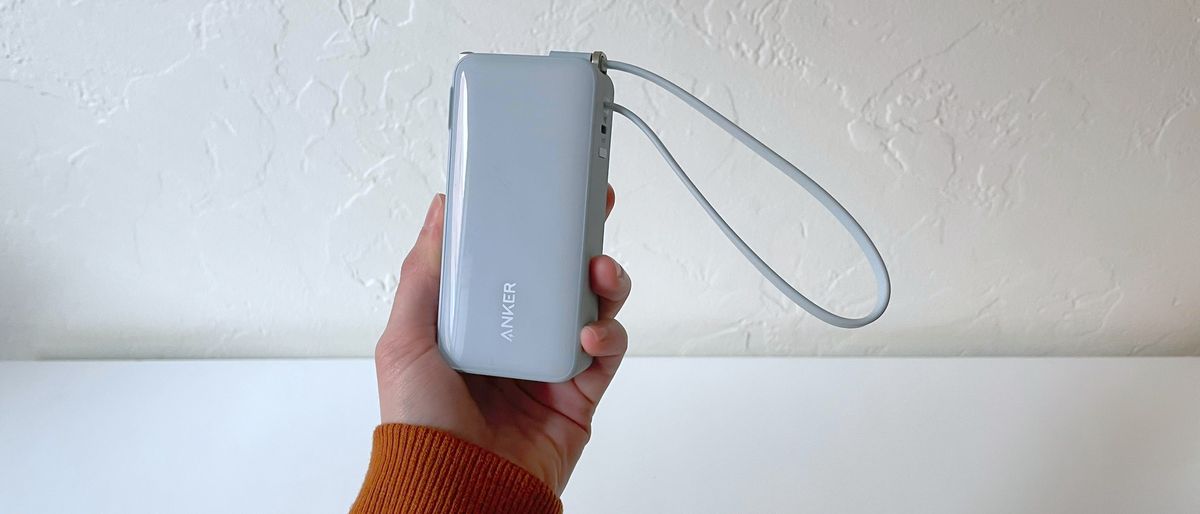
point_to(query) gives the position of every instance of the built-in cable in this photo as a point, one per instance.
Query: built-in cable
(883, 283)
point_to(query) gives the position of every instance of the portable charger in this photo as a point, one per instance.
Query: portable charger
(525, 196)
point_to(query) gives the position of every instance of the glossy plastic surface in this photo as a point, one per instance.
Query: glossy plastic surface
(524, 213)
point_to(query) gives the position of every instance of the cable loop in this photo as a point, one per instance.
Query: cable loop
(882, 281)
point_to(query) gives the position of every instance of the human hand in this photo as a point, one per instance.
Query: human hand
(541, 427)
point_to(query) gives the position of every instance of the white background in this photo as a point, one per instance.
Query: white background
(686, 435)
(235, 179)
(223, 178)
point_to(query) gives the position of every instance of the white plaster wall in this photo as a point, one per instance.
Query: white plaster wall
(217, 179)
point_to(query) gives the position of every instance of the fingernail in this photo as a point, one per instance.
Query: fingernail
(431, 215)
(620, 270)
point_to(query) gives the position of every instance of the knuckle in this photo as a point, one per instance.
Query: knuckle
(384, 349)
(618, 331)
(394, 351)
(412, 264)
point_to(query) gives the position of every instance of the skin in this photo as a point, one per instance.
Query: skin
(540, 427)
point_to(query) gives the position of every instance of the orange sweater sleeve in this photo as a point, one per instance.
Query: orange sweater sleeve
(422, 469)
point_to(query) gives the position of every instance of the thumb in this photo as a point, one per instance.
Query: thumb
(413, 320)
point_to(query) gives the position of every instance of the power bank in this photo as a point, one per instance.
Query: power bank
(526, 184)
(525, 196)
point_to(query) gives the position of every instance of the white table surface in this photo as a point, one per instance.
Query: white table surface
(674, 435)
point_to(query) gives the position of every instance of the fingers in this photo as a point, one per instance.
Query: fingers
(414, 311)
(609, 201)
(606, 341)
(604, 338)
(610, 283)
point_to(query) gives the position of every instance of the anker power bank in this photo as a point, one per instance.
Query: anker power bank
(525, 196)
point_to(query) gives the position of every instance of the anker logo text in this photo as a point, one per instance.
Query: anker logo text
(508, 302)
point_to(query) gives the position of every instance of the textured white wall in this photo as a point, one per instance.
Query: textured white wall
(243, 178)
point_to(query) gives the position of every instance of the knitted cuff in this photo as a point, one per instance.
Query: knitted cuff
(422, 469)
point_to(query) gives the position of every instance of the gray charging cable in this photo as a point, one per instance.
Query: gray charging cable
(883, 283)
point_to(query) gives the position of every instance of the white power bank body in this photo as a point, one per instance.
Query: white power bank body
(525, 197)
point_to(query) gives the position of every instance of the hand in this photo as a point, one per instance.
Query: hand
(540, 427)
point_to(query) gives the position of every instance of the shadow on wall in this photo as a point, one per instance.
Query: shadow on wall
(27, 293)
(132, 342)
(800, 336)
(21, 297)
(129, 342)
